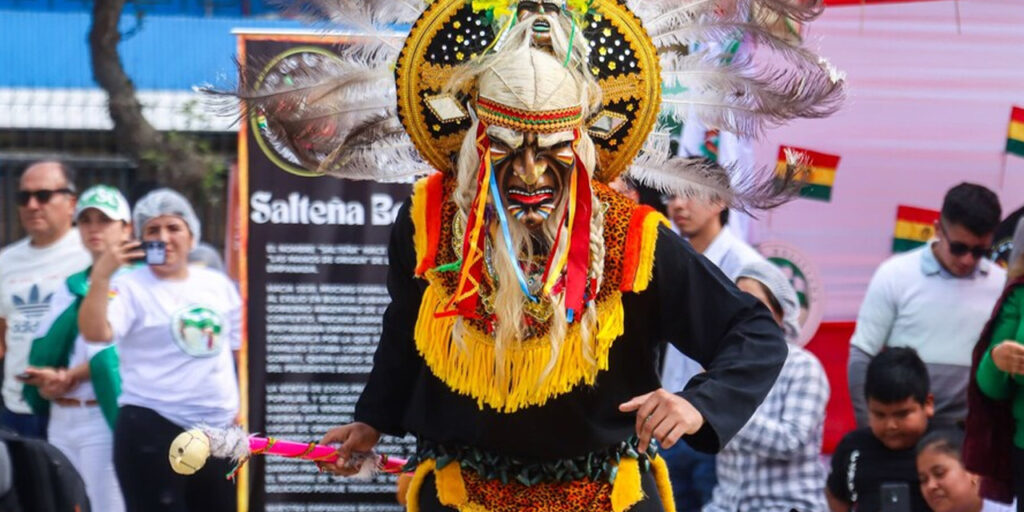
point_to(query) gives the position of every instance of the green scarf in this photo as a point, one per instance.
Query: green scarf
(54, 350)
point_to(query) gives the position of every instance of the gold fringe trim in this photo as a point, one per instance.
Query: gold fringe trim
(645, 265)
(626, 490)
(412, 497)
(419, 213)
(451, 489)
(472, 372)
(660, 470)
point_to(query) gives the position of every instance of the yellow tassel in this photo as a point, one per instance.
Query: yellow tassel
(660, 469)
(451, 489)
(626, 491)
(648, 242)
(419, 209)
(412, 498)
(471, 372)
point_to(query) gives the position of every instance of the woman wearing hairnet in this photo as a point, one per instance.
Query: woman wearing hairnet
(177, 328)
(773, 464)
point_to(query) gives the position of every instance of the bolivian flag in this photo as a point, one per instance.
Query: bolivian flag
(914, 227)
(821, 173)
(1015, 140)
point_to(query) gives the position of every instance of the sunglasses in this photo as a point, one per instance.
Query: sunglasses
(960, 248)
(42, 195)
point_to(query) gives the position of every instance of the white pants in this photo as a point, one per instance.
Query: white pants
(84, 436)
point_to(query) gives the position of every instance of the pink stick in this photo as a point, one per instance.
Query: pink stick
(311, 451)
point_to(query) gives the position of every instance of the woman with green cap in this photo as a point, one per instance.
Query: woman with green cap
(78, 382)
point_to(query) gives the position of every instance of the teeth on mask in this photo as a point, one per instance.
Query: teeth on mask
(543, 191)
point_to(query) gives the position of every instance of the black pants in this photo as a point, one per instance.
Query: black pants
(142, 439)
(650, 503)
(1018, 477)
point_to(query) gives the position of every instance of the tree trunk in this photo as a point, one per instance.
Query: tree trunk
(173, 161)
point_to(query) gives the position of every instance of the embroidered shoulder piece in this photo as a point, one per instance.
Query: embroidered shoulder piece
(467, 365)
(630, 234)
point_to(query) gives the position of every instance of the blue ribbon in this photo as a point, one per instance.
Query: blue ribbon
(503, 220)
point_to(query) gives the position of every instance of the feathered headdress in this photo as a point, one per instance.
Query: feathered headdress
(353, 118)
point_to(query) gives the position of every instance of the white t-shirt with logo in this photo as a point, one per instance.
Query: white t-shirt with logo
(175, 340)
(29, 276)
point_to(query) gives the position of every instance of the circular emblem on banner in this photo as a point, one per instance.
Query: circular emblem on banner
(294, 156)
(804, 277)
(198, 331)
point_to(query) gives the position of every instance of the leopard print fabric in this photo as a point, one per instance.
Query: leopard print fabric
(574, 496)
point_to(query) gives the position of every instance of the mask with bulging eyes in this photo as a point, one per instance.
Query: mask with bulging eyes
(543, 15)
(531, 170)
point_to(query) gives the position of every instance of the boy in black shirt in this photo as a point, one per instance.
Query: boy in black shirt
(877, 463)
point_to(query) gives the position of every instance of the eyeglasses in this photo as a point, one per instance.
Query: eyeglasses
(960, 248)
(42, 195)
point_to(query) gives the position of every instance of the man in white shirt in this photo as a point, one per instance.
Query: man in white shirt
(934, 299)
(31, 269)
(704, 225)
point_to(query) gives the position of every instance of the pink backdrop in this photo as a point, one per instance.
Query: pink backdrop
(927, 108)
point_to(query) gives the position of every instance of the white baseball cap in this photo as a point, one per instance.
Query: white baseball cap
(106, 199)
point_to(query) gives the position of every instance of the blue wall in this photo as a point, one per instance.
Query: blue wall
(50, 49)
(229, 8)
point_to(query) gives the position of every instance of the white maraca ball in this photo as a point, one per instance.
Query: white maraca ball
(189, 451)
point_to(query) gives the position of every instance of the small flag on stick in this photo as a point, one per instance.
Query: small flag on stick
(914, 227)
(1015, 138)
(820, 174)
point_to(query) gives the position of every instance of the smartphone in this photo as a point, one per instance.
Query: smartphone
(895, 497)
(155, 253)
(23, 376)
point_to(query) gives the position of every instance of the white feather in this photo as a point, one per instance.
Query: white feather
(227, 443)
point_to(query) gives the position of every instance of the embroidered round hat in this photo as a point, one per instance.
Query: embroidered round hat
(106, 199)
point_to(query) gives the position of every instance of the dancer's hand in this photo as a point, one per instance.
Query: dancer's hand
(1009, 357)
(663, 416)
(354, 438)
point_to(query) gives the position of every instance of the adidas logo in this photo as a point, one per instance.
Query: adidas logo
(33, 306)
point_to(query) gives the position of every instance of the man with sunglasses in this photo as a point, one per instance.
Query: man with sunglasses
(934, 299)
(31, 269)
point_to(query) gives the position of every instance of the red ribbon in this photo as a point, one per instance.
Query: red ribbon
(579, 238)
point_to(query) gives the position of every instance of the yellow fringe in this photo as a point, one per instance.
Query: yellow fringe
(660, 470)
(451, 489)
(471, 371)
(626, 491)
(412, 497)
(419, 213)
(645, 265)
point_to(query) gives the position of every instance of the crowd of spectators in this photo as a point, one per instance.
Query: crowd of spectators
(119, 329)
(910, 373)
(117, 334)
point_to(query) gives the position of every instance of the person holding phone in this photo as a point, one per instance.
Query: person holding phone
(874, 468)
(177, 327)
(74, 382)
